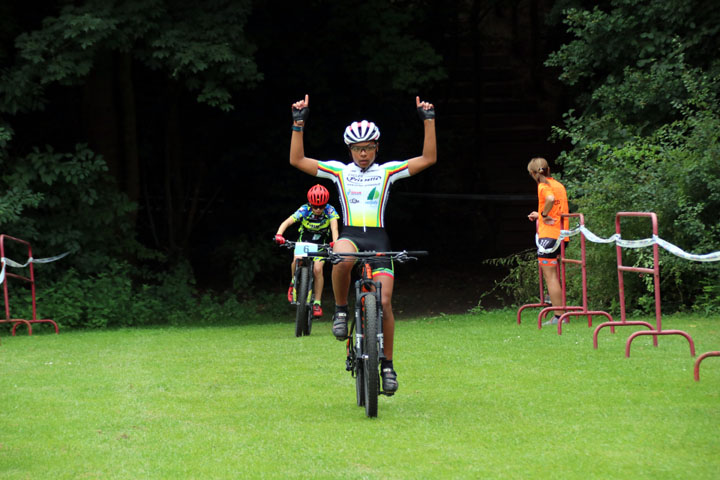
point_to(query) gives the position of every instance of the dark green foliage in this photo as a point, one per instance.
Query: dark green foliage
(519, 286)
(112, 299)
(66, 202)
(645, 136)
(250, 258)
(201, 46)
(62, 201)
(142, 58)
(628, 57)
(674, 172)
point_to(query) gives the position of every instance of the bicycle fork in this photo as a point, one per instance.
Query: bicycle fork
(363, 288)
(301, 263)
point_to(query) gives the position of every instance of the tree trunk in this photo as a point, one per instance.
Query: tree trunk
(131, 172)
(173, 177)
(100, 114)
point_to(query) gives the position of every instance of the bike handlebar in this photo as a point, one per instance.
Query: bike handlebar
(401, 256)
(291, 244)
(337, 257)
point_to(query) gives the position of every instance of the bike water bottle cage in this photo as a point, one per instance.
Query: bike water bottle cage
(300, 115)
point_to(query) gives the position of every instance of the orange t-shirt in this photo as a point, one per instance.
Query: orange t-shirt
(560, 206)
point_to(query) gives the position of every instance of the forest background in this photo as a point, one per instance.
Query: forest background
(150, 140)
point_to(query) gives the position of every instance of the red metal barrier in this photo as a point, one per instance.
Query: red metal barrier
(29, 279)
(699, 361)
(577, 310)
(561, 274)
(655, 271)
(621, 289)
(543, 303)
(573, 309)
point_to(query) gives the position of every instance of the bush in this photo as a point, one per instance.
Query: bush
(111, 299)
(674, 172)
(646, 137)
(520, 285)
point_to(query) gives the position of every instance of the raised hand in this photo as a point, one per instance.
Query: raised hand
(426, 110)
(301, 110)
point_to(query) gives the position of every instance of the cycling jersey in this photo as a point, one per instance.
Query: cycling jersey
(363, 193)
(314, 228)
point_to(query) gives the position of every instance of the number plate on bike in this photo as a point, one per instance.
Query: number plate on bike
(302, 249)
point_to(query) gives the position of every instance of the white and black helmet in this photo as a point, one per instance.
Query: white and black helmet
(363, 131)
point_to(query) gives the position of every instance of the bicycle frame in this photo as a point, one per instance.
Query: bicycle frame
(364, 286)
(363, 355)
(304, 294)
(302, 262)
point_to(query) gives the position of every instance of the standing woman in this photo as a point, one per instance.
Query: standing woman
(552, 203)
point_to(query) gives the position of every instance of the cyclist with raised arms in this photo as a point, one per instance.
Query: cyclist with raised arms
(364, 188)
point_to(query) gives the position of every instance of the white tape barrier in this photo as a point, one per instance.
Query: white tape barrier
(641, 243)
(11, 263)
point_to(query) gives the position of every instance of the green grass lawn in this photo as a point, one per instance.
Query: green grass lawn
(480, 397)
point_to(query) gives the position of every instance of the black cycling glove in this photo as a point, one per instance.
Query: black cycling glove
(300, 114)
(428, 114)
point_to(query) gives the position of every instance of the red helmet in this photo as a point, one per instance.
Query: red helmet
(318, 195)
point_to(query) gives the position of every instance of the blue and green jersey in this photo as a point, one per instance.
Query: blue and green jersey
(315, 228)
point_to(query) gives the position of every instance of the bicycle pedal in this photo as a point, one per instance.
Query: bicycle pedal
(387, 394)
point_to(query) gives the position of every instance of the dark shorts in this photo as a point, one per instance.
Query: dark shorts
(370, 239)
(548, 243)
(313, 237)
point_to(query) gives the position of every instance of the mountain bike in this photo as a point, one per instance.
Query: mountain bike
(304, 282)
(365, 348)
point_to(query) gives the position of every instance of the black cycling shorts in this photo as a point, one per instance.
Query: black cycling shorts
(371, 239)
(313, 237)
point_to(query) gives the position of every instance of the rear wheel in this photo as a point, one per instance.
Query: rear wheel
(371, 379)
(301, 288)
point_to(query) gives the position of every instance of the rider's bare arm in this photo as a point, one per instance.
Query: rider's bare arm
(429, 153)
(284, 225)
(297, 148)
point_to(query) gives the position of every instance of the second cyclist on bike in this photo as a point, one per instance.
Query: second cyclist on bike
(318, 224)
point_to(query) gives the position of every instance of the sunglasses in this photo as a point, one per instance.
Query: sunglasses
(317, 207)
(367, 148)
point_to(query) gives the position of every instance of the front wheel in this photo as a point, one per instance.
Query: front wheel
(360, 386)
(308, 309)
(302, 285)
(371, 377)
(356, 366)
